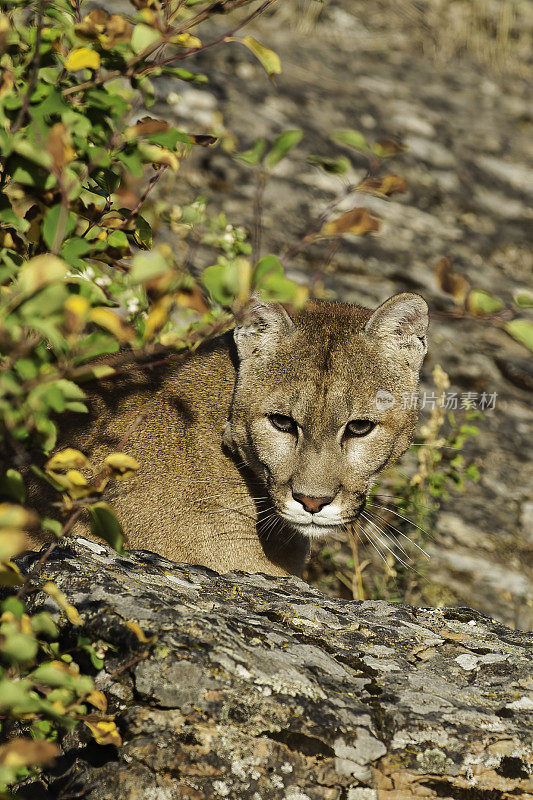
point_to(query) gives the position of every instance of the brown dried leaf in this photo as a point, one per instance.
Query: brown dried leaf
(451, 282)
(146, 127)
(203, 139)
(117, 30)
(385, 186)
(59, 146)
(93, 24)
(98, 700)
(384, 148)
(24, 752)
(358, 221)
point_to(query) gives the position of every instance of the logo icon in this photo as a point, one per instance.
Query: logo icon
(384, 400)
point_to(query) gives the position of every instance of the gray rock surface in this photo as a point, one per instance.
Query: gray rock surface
(266, 689)
(467, 124)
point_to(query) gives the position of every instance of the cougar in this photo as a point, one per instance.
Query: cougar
(265, 438)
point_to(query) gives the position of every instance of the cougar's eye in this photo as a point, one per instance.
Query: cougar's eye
(359, 427)
(283, 423)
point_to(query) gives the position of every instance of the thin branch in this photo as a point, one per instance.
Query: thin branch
(144, 195)
(34, 74)
(257, 228)
(130, 67)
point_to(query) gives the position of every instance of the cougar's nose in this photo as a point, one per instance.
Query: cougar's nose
(312, 504)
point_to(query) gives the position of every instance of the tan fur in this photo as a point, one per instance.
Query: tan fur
(216, 474)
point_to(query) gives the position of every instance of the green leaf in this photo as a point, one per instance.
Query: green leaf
(221, 282)
(254, 154)
(524, 298)
(522, 331)
(480, 302)
(52, 675)
(184, 74)
(143, 36)
(14, 605)
(73, 249)
(26, 368)
(143, 233)
(266, 266)
(106, 526)
(282, 146)
(107, 180)
(169, 138)
(12, 485)
(133, 162)
(52, 525)
(147, 266)
(44, 303)
(350, 138)
(337, 166)
(18, 647)
(40, 271)
(118, 239)
(8, 216)
(42, 624)
(51, 223)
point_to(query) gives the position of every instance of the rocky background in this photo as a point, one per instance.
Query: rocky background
(254, 688)
(452, 81)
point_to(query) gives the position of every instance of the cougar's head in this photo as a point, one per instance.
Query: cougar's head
(324, 401)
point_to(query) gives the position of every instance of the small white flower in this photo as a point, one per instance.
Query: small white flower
(103, 280)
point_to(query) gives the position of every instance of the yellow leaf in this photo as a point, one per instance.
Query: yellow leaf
(98, 700)
(69, 458)
(121, 465)
(104, 732)
(12, 542)
(74, 483)
(139, 633)
(158, 316)
(61, 599)
(268, 58)
(358, 221)
(112, 322)
(10, 574)
(187, 40)
(76, 309)
(82, 58)
(14, 516)
(40, 271)
(159, 155)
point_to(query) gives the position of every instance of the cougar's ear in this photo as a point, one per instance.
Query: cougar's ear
(263, 327)
(401, 323)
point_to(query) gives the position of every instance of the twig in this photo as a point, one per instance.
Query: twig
(130, 67)
(219, 39)
(133, 213)
(257, 229)
(123, 668)
(19, 121)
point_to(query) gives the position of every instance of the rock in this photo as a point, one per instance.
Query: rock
(263, 689)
